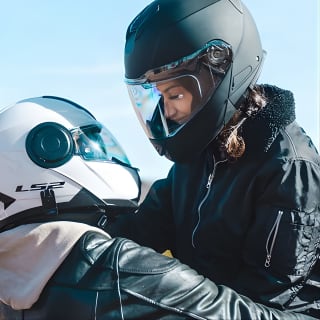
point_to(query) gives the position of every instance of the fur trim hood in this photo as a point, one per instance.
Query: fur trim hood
(260, 131)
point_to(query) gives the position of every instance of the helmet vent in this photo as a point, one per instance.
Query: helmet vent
(49, 145)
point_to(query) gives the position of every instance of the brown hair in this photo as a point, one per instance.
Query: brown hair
(230, 137)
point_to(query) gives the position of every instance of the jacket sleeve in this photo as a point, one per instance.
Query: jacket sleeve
(170, 285)
(152, 224)
(282, 246)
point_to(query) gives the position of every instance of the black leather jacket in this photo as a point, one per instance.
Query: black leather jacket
(117, 279)
(253, 224)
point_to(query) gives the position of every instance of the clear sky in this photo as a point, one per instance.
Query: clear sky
(74, 49)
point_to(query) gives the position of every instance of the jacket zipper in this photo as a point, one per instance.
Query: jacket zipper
(270, 245)
(208, 187)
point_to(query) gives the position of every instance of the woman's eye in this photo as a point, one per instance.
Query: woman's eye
(176, 96)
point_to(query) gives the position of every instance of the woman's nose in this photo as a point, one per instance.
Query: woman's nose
(169, 109)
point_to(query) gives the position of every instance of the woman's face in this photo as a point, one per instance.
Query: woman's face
(178, 99)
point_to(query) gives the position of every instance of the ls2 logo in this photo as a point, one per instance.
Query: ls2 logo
(41, 186)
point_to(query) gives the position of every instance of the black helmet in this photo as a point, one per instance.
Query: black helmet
(203, 54)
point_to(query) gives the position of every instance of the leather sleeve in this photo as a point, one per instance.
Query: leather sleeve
(114, 279)
(167, 283)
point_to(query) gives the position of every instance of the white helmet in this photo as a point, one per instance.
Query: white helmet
(59, 163)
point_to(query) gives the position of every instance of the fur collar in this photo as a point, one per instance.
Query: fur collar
(260, 131)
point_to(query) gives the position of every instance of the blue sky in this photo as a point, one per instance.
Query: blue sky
(74, 49)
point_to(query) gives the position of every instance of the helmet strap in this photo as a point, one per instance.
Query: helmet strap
(49, 203)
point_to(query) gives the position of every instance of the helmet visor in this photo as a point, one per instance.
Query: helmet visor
(95, 143)
(166, 98)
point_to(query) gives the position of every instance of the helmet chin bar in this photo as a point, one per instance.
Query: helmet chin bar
(186, 145)
(94, 215)
(90, 210)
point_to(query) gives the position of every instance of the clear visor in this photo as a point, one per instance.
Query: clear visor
(95, 143)
(166, 98)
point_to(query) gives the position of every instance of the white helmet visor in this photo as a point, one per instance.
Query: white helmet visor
(166, 98)
(95, 143)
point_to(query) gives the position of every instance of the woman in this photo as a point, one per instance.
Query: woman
(241, 201)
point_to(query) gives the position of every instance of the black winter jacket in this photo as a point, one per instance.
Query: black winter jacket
(105, 279)
(252, 224)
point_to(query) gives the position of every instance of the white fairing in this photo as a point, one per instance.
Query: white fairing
(22, 179)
